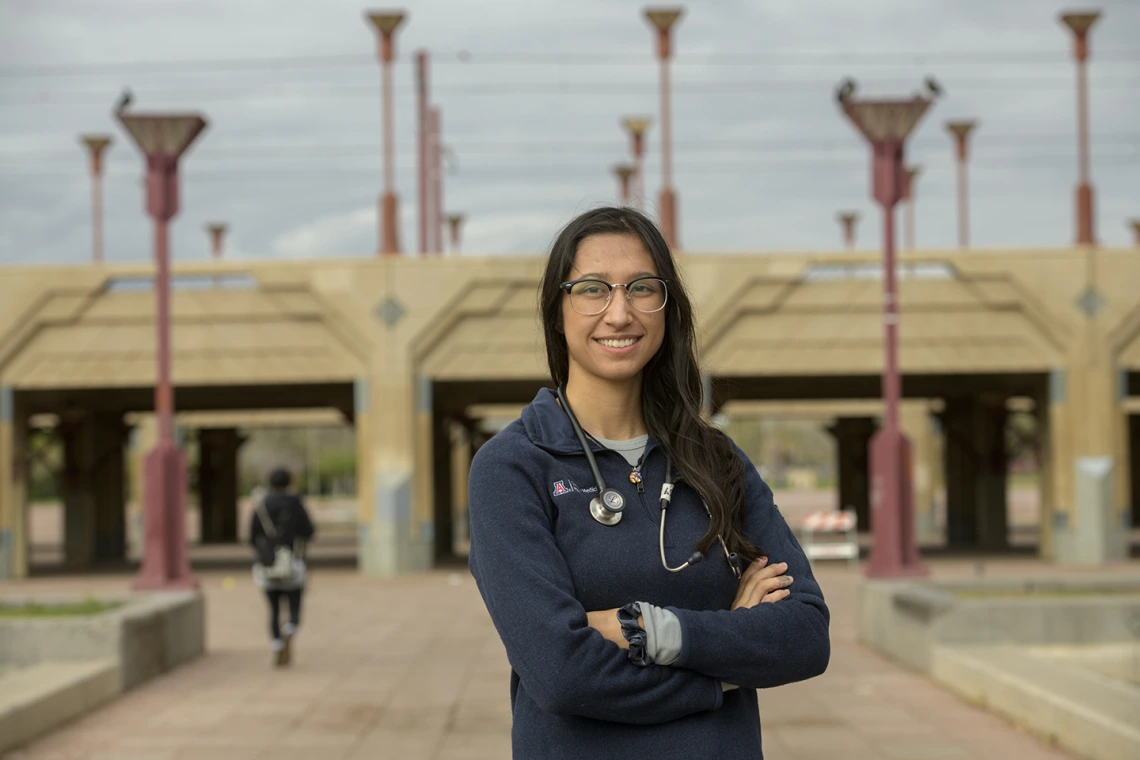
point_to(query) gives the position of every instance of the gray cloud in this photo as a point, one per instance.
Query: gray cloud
(534, 142)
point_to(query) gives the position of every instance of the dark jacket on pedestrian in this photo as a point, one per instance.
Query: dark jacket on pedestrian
(542, 562)
(290, 521)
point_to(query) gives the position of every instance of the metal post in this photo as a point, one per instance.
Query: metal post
(961, 131)
(422, 144)
(435, 158)
(663, 20)
(848, 219)
(623, 172)
(385, 25)
(1080, 23)
(163, 138)
(96, 145)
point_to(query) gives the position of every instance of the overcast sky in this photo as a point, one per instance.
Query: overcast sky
(763, 159)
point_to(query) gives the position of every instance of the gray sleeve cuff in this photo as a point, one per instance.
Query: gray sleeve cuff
(662, 634)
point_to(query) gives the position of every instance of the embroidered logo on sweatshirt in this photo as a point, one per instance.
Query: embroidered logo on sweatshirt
(569, 486)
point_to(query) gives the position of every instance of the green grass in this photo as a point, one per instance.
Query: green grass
(71, 609)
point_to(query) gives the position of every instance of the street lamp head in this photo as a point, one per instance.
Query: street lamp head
(385, 22)
(961, 129)
(96, 144)
(637, 125)
(166, 135)
(884, 120)
(664, 18)
(1081, 21)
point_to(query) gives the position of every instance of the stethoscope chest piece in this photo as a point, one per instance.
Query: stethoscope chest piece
(607, 507)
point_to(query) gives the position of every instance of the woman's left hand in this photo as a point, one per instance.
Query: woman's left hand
(606, 623)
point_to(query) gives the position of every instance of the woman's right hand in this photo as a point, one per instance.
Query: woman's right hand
(762, 582)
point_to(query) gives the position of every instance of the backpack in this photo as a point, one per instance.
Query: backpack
(277, 559)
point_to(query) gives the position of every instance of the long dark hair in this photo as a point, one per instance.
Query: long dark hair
(671, 381)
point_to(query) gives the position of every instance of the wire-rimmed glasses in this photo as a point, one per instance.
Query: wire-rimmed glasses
(590, 297)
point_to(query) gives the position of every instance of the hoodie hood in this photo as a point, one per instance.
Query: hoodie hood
(548, 426)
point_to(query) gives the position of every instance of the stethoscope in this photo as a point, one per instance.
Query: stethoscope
(608, 505)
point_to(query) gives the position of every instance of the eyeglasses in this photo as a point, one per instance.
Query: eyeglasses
(590, 297)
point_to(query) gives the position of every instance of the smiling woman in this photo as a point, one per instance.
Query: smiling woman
(619, 647)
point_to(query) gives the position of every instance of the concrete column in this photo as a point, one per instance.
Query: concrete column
(93, 487)
(1134, 465)
(218, 484)
(993, 519)
(853, 436)
(395, 527)
(975, 478)
(1087, 420)
(918, 426)
(461, 453)
(13, 490)
(1045, 476)
(442, 488)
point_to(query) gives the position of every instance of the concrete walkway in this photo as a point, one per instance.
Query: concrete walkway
(412, 668)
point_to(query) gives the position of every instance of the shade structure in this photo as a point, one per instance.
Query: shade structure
(1080, 21)
(663, 18)
(886, 120)
(163, 134)
(385, 21)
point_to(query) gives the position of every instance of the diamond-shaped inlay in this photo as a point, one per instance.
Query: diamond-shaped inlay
(1091, 302)
(390, 312)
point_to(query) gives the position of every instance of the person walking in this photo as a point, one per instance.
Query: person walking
(279, 530)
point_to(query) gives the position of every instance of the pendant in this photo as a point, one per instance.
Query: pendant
(635, 477)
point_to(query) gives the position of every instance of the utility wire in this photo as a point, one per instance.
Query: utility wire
(819, 88)
(771, 58)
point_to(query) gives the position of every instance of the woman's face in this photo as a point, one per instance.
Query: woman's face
(616, 344)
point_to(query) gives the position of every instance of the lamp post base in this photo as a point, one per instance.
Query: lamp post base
(668, 209)
(894, 553)
(389, 219)
(165, 565)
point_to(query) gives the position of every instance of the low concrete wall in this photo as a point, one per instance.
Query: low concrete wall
(148, 635)
(976, 638)
(61, 667)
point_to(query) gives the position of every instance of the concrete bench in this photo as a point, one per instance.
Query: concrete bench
(38, 698)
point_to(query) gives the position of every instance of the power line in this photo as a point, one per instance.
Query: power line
(464, 57)
(195, 172)
(820, 88)
(617, 146)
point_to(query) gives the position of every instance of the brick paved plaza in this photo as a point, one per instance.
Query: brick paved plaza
(412, 668)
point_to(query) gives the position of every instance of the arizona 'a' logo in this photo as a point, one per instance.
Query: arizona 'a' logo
(560, 488)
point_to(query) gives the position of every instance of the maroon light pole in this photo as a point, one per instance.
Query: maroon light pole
(886, 125)
(663, 20)
(1136, 230)
(217, 233)
(1080, 23)
(96, 144)
(455, 223)
(385, 23)
(435, 162)
(637, 126)
(910, 195)
(961, 131)
(422, 146)
(623, 172)
(163, 138)
(848, 220)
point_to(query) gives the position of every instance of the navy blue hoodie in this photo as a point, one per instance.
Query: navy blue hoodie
(541, 562)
